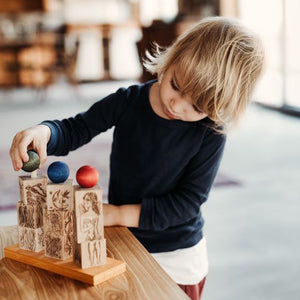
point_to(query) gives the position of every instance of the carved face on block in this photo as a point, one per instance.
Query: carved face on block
(89, 218)
(90, 204)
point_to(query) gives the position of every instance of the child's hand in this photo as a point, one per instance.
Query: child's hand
(35, 138)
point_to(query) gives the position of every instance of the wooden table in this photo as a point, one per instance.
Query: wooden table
(143, 279)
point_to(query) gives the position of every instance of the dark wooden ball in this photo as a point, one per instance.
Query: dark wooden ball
(33, 163)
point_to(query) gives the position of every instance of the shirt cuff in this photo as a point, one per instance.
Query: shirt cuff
(53, 137)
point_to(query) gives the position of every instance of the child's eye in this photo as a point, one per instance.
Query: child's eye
(174, 86)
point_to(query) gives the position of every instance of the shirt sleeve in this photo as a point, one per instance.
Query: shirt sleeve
(183, 203)
(70, 134)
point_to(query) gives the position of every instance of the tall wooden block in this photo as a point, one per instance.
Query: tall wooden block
(60, 196)
(59, 233)
(89, 214)
(33, 190)
(29, 215)
(90, 254)
(31, 239)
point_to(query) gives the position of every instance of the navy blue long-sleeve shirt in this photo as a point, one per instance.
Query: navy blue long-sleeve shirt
(166, 165)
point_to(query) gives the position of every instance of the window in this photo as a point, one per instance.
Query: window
(277, 22)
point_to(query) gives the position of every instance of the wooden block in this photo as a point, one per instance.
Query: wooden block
(58, 222)
(59, 233)
(90, 254)
(68, 268)
(33, 190)
(89, 214)
(31, 239)
(59, 246)
(30, 216)
(60, 195)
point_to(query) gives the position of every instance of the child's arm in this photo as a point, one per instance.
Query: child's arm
(59, 137)
(123, 215)
(72, 133)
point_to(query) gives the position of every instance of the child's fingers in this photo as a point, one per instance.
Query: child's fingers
(16, 159)
(23, 147)
(14, 155)
(42, 152)
(18, 150)
(16, 162)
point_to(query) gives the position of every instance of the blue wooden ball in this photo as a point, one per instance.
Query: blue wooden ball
(58, 172)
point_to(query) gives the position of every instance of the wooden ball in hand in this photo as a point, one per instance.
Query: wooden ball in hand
(33, 163)
(58, 172)
(87, 176)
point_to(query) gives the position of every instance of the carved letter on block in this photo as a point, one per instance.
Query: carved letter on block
(89, 215)
(60, 196)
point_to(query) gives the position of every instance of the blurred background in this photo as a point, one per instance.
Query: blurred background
(57, 57)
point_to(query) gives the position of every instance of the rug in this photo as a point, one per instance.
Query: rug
(96, 154)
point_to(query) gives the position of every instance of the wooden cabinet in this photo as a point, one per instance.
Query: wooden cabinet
(27, 64)
(37, 65)
(15, 6)
(8, 68)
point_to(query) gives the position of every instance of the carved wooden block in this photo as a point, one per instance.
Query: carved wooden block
(89, 215)
(58, 222)
(33, 190)
(90, 254)
(31, 239)
(60, 195)
(59, 233)
(59, 246)
(30, 216)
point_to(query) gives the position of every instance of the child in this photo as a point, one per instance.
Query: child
(168, 141)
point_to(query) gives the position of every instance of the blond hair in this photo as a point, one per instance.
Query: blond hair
(220, 61)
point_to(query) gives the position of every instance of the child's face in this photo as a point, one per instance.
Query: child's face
(173, 103)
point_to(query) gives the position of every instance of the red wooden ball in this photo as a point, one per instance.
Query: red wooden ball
(87, 176)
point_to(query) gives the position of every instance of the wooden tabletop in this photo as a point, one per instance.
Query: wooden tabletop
(143, 279)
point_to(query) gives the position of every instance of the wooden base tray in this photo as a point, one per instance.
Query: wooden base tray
(68, 268)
